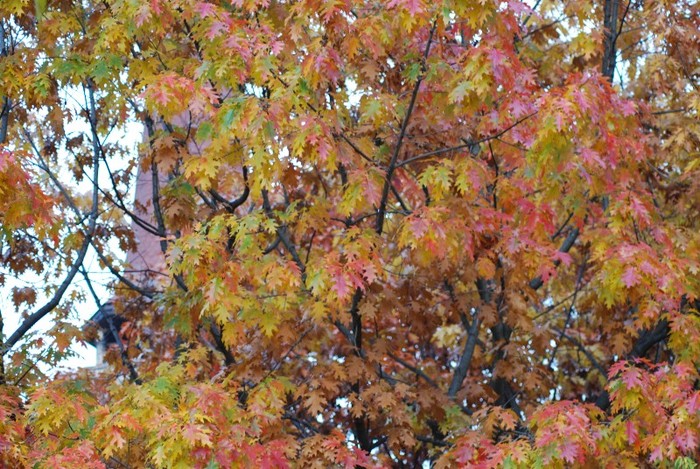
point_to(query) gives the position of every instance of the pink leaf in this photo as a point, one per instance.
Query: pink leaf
(647, 268)
(217, 28)
(628, 108)
(413, 6)
(640, 209)
(687, 440)
(205, 9)
(657, 454)
(419, 226)
(569, 451)
(372, 192)
(562, 257)
(519, 108)
(693, 404)
(591, 156)
(369, 272)
(630, 277)
(520, 8)
(341, 286)
(632, 432)
(632, 378)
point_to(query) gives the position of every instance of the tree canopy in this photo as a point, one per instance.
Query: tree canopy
(400, 233)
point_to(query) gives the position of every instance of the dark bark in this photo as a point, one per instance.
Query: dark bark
(610, 13)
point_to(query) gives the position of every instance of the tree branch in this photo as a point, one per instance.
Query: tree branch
(610, 11)
(157, 212)
(6, 102)
(467, 143)
(232, 205)
(465, 359)
(133, 374)
(35, 317)
(566, 246)
(402, 134)
(583, 350)
(283, 235)
(646, 340)
(417, 371)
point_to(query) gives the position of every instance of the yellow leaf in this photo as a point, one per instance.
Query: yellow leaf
(447, 336)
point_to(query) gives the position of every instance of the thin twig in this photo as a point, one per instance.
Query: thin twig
(466, 144)
(417, 371)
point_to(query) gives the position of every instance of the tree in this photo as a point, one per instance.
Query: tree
(393, 233)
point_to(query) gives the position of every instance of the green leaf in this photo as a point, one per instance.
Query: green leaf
(39, 8)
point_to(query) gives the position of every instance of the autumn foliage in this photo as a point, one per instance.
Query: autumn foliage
(400, 233)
